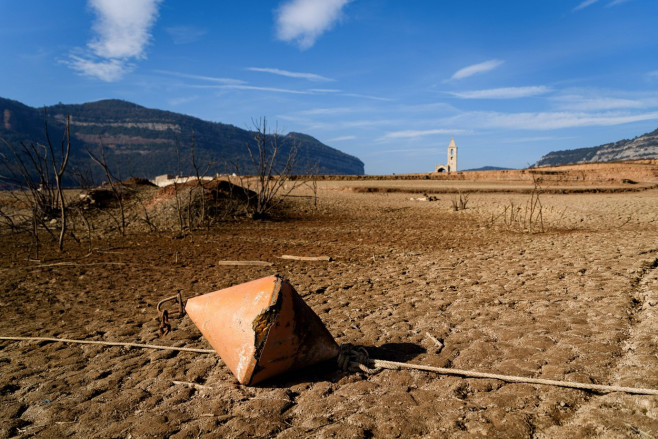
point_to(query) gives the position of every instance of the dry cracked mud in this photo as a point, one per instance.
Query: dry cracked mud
(578, 301)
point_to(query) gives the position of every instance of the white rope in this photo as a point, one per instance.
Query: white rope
(111, 343)
(356, 358)
(351, 358)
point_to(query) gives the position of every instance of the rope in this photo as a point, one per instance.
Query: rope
(111, 343)
(354, 359)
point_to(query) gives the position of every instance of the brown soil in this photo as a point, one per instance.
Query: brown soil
(578, 301)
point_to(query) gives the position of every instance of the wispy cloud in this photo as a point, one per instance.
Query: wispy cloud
(259, 88)
(583, 103)
(597, 99)
(334, 125)
(548, 120)
(301, 92)
(584, 4)
(341, 138)
(201, 77)
(347, 94)
(122, 31)
(424, 152)
(303, 21)
(503, 93)
(182, 100)
(289, 74)
(535, 139)
(108, 70)
(238, 84)
(617, 2)
(373, 98)
(417, 133)
(185, 34)
(475, 69)
(327, 111)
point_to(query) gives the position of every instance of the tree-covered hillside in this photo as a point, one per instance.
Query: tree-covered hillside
(144, 142)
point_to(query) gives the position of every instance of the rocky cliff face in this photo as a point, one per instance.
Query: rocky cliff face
(642, 147)
(145, 142)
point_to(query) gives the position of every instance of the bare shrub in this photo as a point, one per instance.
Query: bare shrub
(270, 181)
(192, 193)
(459, 202)
(314, 187)
(115, 186)
(528, 217)
(27, 172)
(58, 169)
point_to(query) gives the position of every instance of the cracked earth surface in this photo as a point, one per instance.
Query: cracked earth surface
(577, 302)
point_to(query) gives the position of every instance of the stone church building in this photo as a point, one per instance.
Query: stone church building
(452, 158)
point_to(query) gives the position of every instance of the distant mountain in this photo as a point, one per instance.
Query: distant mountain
(488, 168)
(142, 142)
(642, 147)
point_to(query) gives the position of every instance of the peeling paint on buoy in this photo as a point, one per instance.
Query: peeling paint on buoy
(261, 329)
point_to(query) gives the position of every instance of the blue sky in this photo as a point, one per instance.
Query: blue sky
(388, 81)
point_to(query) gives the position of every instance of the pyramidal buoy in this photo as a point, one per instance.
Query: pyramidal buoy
(261, 329)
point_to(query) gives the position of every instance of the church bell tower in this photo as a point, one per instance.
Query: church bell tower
(452, 156)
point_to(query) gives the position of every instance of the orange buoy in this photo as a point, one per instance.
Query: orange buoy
(261, 329)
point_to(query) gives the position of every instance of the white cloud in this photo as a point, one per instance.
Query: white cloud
(617, 2)
(106, 70)
(182, 100)
(583, 103)
(503, 93)
(341, 138)
(303, 21)
(350, 95)
(258, 88)
(592, 100)
(477, 68)
(547, 120)
(327, 111)
(584, 4)
(238, 84)
(289, 74)
(417, 133)
(408, 152)
(201, 77)
(535, 139)
(336, 125)
(123, 27)
(122, 31)
(373, 98)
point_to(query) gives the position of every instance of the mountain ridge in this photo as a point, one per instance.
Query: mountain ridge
(144, 142)
(644, 146)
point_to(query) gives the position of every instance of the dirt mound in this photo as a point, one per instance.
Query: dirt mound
(137, 181)
(214, 201)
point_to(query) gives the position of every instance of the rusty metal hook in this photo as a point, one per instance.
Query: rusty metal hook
(165, 326)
